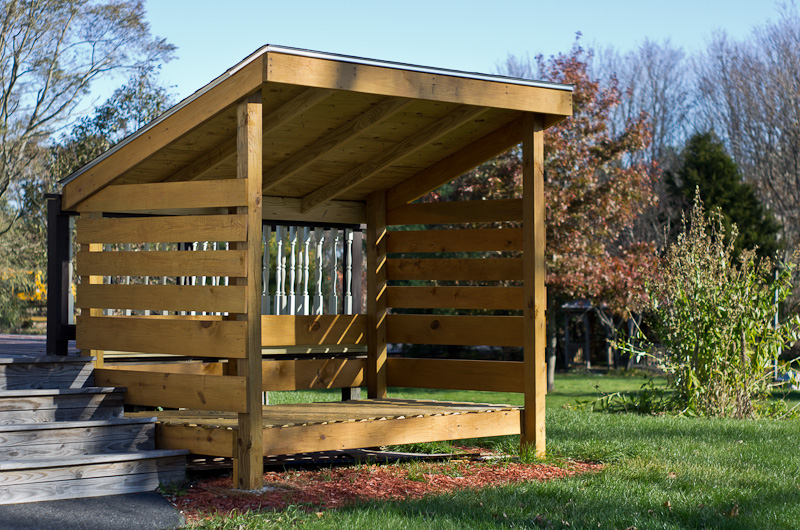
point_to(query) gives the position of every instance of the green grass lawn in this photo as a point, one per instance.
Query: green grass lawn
(661, 473)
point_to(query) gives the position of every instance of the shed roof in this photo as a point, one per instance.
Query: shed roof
(335, 128)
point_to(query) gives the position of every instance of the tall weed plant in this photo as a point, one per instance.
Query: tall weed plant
(715, 316)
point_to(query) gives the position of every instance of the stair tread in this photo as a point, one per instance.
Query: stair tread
(29, 359)
(74, 424)
(94, 458)
(31, 392)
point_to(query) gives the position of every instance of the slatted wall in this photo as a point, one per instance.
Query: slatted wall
(134, 294)
(456, 269)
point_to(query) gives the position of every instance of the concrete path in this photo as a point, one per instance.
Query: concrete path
(135, 511)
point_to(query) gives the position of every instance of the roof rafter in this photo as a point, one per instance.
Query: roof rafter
(466, 158)
(406, 147)
(227, 149)
(307, 156)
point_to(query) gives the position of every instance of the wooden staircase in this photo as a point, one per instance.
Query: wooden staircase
(61, 438)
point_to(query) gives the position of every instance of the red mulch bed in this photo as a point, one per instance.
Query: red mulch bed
(339, 486)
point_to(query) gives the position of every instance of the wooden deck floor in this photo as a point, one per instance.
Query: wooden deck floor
(307, 427)
(27, 346)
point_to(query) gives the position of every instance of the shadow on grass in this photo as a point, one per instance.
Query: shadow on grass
(663, 472)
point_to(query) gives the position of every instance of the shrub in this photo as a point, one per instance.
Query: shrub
(716, 319)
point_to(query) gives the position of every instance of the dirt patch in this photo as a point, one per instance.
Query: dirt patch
(328, 488)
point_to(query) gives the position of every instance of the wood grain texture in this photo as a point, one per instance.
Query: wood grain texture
(86, 277)
(197, 440)
(173, 390)
(454, 330)
(166, 196)
(452, 269)
(163, 263)
(459, 240)
(456, 212)
(248, 467)
(353, 435)
(446, 297)
(74, 438)
(455, 374)
(377, 277)
(211, 298)
(91, 479)
(305, 374)
(455, 165)
(392, 155)
(309, 71)
(333, 140)
(292, 330)
(163, 229)
(227, 149)
(175, 336)
(60, 406)
(535, 298)
(246, 81)
(289, 209)
(20, 376)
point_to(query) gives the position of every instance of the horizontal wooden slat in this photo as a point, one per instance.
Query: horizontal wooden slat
(196, 440)
(490, 269)
(455, 329)
(167, 196)
(152, 263)
(211, 298)
(153, 389)
(352, 435)
(196, 368)
(291, 330)
(194, 338)
(472, 240)
(163, 229)
(307, 374)
(429, 213)
(288, 209)
(444, 297)
(455, 374)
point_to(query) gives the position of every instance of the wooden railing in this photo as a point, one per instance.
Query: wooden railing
(456, 269)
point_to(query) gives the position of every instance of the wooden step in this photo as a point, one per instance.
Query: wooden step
(45, 371)
(60, 404)
(89, 475)
(69, 438)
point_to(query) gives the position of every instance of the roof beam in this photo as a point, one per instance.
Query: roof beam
(275, 119)
(174, 124)
(305, 157)
(340, 185)
(374, 79)
(476, 153)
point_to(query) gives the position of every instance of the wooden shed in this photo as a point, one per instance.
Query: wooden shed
(315, 139)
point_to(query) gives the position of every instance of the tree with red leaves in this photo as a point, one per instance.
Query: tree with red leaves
(593, 191)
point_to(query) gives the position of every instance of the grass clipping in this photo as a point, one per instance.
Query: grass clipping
(714, 316)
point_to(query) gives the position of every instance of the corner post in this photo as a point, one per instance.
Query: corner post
(376, 295)
(59, 248)
(535, 299)
(249, 450)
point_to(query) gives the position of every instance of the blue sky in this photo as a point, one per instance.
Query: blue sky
(470, 35)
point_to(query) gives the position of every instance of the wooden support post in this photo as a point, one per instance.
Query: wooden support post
(88, 280)
(59, 278)
(248, 469)
(534, 297)
(376, 295)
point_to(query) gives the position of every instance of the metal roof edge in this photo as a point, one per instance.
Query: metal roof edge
(312, 54)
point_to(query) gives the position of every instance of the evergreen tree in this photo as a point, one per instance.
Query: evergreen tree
(706, 167)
